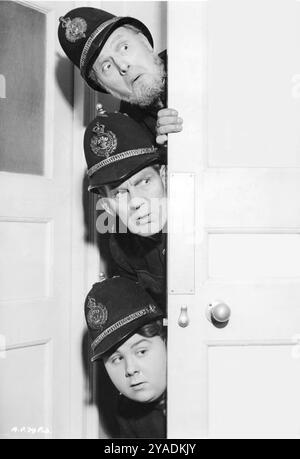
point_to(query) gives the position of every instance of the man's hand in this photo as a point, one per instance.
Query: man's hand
(167, 121)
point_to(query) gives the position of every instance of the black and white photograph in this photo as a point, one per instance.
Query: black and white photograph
(150, 222)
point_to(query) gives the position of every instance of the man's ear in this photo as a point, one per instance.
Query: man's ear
(164, 175)
(105, 202)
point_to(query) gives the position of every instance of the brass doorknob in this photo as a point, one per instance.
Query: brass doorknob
(219, 313)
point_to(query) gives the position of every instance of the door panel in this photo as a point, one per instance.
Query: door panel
(241, 141)
(28, 247)
(239, 378)
(35, 228)
(25, 110)
(252, 61)
(31, 391)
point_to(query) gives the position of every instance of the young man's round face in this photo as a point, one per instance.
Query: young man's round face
(141, 202)
(138, 368)
(128, 68)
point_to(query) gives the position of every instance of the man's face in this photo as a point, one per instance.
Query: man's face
(138, 368)
(141, 202)
(128, 68)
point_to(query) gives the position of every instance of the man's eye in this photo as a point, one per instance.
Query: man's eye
(120, 194)
(116, 360)
(106, 67)
(144, 181)
(124, 47)
(142, 352)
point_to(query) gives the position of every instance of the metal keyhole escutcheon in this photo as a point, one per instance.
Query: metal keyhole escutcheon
(183, 320)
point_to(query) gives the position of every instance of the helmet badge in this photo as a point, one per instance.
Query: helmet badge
(97, 314)
(103, 143)
(75, 28)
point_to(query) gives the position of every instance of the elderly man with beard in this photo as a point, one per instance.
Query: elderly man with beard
(115, 55)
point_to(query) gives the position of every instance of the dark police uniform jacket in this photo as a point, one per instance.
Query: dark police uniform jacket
(142, 420)
(142, 259)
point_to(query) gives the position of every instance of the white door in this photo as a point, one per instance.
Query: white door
(41, 373)
(234, 76)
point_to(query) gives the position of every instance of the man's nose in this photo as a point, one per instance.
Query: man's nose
(122, 65)
(136, 203)
(131, 368)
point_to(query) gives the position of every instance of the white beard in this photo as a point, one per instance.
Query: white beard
(147, 90)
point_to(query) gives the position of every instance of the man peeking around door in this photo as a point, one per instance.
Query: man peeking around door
(128, 171)
(127, 335)
(115, 55)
